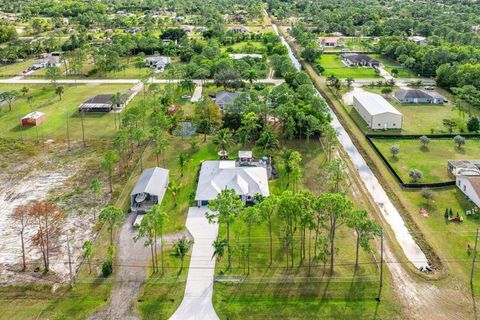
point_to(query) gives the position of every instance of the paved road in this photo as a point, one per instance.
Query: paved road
(118, 81)
(411, 249)
(197, 301)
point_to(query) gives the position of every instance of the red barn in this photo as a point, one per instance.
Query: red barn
(33, 119)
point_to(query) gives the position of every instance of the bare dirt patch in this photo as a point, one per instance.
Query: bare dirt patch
(32, 173)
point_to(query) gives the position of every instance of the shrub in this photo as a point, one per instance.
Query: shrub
(424, 140)
(459, 141)
(107, 268)
(415, 174)
(427, 194)
(394, 150)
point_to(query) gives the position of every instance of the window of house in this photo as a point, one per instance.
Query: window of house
(464, 188)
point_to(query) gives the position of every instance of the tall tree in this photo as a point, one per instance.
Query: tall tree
(251, 217)
(225, 209)
(59, 91)
(159, 219)
(365, 229)
(9, 97)
(338, 210)
(113, 217)
(87, 253)
(95, 187)
(223, 138)
(53, 74)
(267, 209)
(108, 164)
(146, 230)
(21, 216)
(48, 221)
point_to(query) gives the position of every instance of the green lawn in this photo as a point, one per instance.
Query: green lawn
(421, 118)
(432, 161)
(246, 47)
(334, 65)
(391, 64)
(44, 99)
(14, 69)
(273, 292)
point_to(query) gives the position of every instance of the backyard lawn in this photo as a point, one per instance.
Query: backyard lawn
(432, 161)
(334, 65)
(274, 292)
(44, 99)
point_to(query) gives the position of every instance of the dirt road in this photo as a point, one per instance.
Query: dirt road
(132, 257)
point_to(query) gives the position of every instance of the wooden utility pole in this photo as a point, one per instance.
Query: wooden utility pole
(83, 128)
(381, 267)
(68, 132)
(474, 258)
(69, 261)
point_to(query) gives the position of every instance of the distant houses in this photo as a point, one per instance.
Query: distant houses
(224, 98)
(48, 60)
(104, 102)
(240, 29)
(377, 112)
(361, 60)
(159, 63)
(418, 39)
(418, 96)
(238, 56)
(330, 42)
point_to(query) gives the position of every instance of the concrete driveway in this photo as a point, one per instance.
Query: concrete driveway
(197, 300)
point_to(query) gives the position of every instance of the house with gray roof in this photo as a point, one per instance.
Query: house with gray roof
(418, 96)
(215, 176)
(149, 190)
(377, 112)
(224, 98)
(104, 103)
(158, 62)
(359, 59)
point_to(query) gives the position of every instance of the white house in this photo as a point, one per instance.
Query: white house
(149, 190)
(158, 62)
(377, 112)
(469, 183)
(225, 174)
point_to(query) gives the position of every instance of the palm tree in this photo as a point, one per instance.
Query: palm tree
(116, 100)
(174, 189)
(180, 250)
(187, 85)
(223, 138)
(251, 75)
(182, 161)
(59, 91)
(219, 247)
(268, 142)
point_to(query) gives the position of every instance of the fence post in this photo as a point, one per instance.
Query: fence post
(381, 267)
(474, 258)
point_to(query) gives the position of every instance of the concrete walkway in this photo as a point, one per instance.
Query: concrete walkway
(197, 300)
(197, 94)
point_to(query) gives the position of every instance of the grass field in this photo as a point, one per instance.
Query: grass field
(333, 65)
(274, 292)
(391, 64)
(56, 111)
(15, 68)
(246, 47)
(420, 118)
(432, 161)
